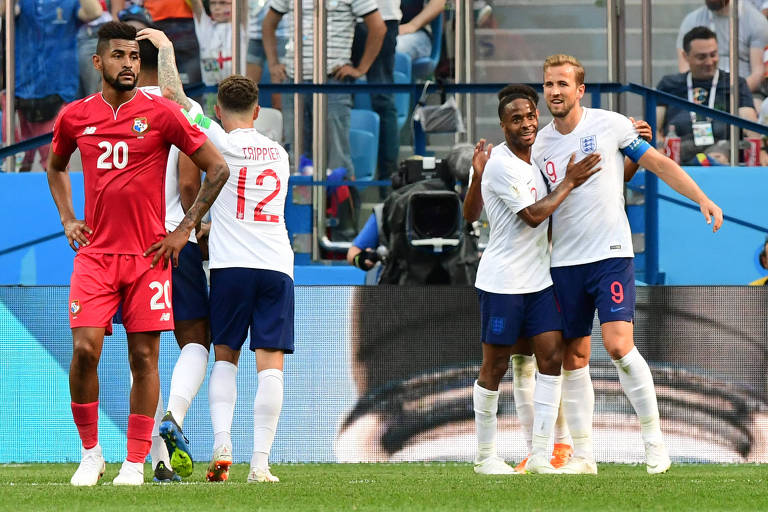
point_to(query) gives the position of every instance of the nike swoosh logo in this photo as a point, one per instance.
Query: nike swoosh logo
(613, 310)
(547, 158)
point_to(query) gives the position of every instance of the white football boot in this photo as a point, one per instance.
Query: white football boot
(131, 473)
(91, 467)
(656, 458)
(261, 475)
(494, 466)
(579, 466)
(540, 464)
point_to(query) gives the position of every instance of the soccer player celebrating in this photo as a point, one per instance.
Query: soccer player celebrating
(592, 256)
(514, 287)
(124, 136)
(188, 284)
(251, 262)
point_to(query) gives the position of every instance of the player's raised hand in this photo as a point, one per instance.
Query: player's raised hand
(168, 248)
(709, 209)
(156, 37)
(481, 156)
(643, 129)
(75, 231)
(578, 173)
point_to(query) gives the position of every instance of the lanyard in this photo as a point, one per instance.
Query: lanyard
(712, 91)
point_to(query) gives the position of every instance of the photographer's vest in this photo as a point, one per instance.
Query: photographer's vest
(411, 260)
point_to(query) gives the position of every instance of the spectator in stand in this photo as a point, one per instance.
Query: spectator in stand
(90, 79)
(341, 27)
(46, 34)
(174, 17)
(382, 72)
(704, 84)
(256, 57)
(753, 38)
(214, 33)
(415, 35)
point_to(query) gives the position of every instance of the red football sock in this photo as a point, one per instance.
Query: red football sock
(86, 418)
(139, 437)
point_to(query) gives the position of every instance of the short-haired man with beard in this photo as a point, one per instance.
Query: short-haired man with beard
(592, 255)
(124, 136)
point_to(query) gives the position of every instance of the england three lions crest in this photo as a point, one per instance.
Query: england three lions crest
(588, 144)
(140, 125)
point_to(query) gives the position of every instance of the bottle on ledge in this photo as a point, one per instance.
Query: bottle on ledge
(672, 144)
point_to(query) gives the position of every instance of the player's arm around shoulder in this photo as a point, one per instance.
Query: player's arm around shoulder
(674, 176)
(575, 175)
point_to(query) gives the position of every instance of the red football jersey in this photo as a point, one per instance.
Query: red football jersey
(124, 154)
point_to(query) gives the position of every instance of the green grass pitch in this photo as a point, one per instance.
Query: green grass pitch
(409, 486)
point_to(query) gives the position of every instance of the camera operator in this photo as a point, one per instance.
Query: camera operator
(418, 233)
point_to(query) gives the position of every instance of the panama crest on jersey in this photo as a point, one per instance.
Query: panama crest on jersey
(74, 307)
(588, 144)
(140, 125)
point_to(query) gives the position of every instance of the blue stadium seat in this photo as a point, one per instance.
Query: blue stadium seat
(364, 142)
(402, 76)
(423, 67)
(362, 100)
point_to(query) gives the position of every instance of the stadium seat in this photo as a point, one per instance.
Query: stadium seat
(362, 101)
(423, 67)
(270, 123)
(402, 76)
(364, 142)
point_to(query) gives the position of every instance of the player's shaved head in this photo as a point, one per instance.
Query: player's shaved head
(560, 59)
(238, 94)
(148, 53)
(114, 30)
(513, 92)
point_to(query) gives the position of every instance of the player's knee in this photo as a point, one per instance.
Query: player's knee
(143, 358)
(498, 367)
(84, 355)
(619, 348)
(550, 363)
(573, 360)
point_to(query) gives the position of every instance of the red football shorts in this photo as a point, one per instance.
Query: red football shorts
(100, 282)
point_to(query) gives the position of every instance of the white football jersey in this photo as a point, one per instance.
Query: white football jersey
(174, 213)
(248, 217)
(516, 259)
(590, 224)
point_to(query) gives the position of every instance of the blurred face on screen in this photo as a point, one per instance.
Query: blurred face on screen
(703, 58)
(561, 90)
(716, 5)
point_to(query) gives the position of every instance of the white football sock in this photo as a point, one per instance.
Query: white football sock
(158, 451)
(578, 406)
(524, 370)
(266, 412)
(188, 375)
(546, 402)
(222, 395)
(486, 403)
(637, 382)
(562, 434)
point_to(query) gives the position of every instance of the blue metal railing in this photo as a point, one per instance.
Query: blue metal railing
(651, 97)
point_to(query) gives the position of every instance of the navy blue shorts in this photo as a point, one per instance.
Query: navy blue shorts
(608, 285)
(190, 288)
(262, 300)
(504, 318)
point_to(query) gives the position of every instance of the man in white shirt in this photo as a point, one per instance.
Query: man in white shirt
(592, 255)
(251, 262)
(341, 28)
(517, 301)
(170, 449)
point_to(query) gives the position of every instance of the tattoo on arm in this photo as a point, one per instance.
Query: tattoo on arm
(168, 77)
(215, 179)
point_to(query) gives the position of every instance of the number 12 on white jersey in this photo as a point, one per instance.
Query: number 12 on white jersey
(263, 179)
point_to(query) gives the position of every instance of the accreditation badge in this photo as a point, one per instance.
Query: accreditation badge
(703, 134)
